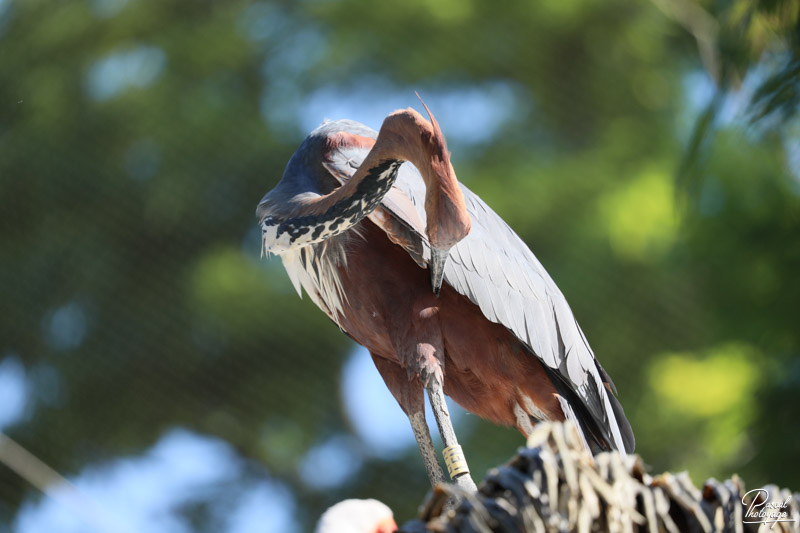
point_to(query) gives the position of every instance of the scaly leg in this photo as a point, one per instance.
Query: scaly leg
(408, 393)
(426, 448)
(454, 457)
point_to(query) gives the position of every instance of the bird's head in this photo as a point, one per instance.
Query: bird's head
(357, 516)
(286, 213)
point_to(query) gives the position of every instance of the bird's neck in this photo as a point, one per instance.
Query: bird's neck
(340, 212)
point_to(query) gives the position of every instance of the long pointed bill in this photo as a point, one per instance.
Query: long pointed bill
(438, 262)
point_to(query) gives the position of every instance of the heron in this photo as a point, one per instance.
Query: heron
(447, 298)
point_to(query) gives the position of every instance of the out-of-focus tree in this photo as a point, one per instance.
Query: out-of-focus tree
(136, 137)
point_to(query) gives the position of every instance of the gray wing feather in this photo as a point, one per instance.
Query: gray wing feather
(515, 302)
(496, 270)
(500, 305)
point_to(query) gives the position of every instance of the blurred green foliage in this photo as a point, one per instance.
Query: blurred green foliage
(136, 138)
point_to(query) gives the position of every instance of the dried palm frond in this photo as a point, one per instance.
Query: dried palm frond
(554, 485)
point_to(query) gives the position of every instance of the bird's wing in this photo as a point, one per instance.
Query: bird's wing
(496, 270)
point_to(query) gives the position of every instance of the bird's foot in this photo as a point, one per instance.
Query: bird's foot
(449, 497)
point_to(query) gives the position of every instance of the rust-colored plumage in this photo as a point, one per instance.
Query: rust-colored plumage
(415, 267)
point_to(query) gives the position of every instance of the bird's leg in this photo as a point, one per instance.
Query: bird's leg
(408, 393)
(454, 457)
(426, 447)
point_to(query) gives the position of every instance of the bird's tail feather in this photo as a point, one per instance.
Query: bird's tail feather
(569, 414)
(597, 438)
(625, 428)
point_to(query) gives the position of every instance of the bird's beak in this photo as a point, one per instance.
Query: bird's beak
(387, 526)
(438, 262)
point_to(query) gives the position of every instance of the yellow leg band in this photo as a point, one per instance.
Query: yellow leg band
(455, 461)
